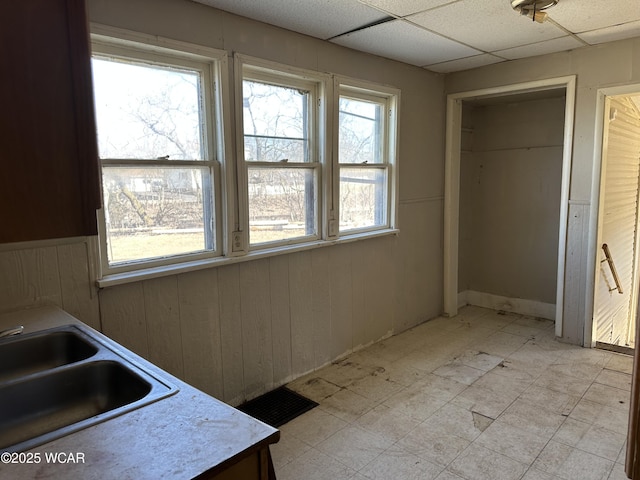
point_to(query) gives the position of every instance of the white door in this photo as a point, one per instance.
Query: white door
(614, 302)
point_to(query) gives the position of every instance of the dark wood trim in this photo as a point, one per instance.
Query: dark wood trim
(81, 79)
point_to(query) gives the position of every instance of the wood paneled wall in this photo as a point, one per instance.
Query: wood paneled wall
(240, 330)
(54, 272)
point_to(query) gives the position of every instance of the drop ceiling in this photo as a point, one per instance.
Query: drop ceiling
(446, 35)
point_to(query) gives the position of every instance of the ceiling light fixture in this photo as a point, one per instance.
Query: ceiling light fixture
(534, 9)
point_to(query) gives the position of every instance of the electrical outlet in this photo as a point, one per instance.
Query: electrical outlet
(236, 242)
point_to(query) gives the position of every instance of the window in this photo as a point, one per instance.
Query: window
(280, 119)
(156, 146)
(366, 131)
(313, 160)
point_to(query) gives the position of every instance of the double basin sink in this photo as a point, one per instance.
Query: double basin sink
(57, 381)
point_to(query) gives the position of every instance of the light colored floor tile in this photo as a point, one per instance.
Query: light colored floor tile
(607, 395)
(513, 442)
(480, 396)
(552, 457)
(479, 463)
(344, 372)
(439, 387)
(620, 363)
(614, 418)
(396, 463)
(403, 374)
(354, 446)
(581, 370)
(534, 474)
(315, 465)
(618, 473)
(615, 379)
(602, 442)
(591, 438)
(387, 422)
(480, 360)
(506, 379)
(622, 456)
(424, 361)
(315, 388)
(415, 404)
(448, 476)
(532, 418)
(586, 355)
(314, 426)
(571, 432)
(563, 383)
(287, 449)
(535, 322)
(534, 355)
(521, 330)
(484, 401)
(375, 387)
(459, 373)
(457, 421)
(346, 405)
(551, 400)
(437, 446)
(571, 463)
(501, 344)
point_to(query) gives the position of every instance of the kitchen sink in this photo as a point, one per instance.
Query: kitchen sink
(24, 355)
(56, 382)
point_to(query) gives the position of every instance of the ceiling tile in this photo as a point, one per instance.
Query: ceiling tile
(465, 63)
(542, 48)
(487, 25)
(405, 42)
(402, 8)
(584, 15)
(318, 18)
(610, 34)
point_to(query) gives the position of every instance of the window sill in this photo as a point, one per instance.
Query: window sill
(184, 267)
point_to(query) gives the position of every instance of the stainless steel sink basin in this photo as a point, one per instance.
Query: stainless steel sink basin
(59, 381)
(24, 355)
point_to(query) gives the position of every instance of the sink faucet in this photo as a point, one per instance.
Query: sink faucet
(12, 331)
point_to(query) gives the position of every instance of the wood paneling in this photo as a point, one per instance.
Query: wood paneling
(163, 324)
(255, 306)
(200, 330)
(240, 330)
(231, 333)
(123, 315)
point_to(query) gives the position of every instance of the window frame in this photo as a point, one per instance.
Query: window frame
(230, 168)
(390, 98)
(320, 87)
(212, 65)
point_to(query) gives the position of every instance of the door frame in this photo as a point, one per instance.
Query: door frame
(595, 230)
(452, 181)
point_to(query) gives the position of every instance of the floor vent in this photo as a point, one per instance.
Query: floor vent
(278, 406)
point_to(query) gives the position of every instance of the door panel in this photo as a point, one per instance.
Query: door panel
(618, 220)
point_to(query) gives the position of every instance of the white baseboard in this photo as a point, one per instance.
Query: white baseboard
(515, 305)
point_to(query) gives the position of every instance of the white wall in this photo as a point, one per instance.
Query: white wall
(239, 330)
(616, 63)
(510, 176)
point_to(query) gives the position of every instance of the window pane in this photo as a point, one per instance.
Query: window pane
(360, 131)
(281, 204)
(155, 212)
(275, 123)
(147, 112)
(363, 198)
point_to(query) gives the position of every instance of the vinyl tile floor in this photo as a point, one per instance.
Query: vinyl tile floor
(485, 395)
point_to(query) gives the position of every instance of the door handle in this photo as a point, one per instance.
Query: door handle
(612, 266)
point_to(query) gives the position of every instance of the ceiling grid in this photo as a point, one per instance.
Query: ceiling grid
(446, 35)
